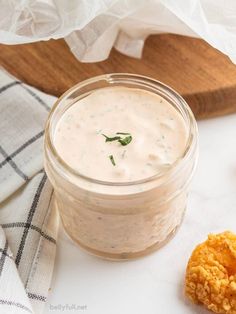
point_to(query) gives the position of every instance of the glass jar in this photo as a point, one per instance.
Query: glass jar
(121, 220)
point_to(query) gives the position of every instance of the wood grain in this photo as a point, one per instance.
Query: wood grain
(201, 74)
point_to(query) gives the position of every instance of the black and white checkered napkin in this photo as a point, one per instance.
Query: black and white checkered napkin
(28, 222)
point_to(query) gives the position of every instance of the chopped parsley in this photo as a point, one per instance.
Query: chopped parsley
(112, 160)
(122, 133)
(111, 139)
(124, 140)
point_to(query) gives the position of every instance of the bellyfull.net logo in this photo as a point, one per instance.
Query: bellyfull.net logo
(67, 307)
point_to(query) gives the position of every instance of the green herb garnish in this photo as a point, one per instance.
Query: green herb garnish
(111, 139)
(122, 140)
(112, 160)
(125, 141)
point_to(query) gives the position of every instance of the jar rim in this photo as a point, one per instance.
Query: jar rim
(113, 78)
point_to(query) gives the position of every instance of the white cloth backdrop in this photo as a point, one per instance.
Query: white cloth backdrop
(93, 27)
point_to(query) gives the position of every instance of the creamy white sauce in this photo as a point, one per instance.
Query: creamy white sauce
(158, 131)
(121, 221)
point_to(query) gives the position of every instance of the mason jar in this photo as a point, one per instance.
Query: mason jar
(121, 220)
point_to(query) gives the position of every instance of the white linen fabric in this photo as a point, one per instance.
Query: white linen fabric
(28, 222)
(91, 28)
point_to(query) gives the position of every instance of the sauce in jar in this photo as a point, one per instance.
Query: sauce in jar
(120, 151)
(92, 130)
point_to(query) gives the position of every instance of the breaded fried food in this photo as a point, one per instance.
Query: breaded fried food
(211, 273)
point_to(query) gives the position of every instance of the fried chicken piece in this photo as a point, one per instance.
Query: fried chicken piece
(211, 273)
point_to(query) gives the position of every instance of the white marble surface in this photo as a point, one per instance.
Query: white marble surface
(154, 284)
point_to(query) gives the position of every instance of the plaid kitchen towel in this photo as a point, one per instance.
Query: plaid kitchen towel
(28, 222)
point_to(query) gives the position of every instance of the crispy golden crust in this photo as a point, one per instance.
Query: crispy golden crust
(211, 273)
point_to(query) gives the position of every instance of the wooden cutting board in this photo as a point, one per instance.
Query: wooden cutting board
(202, 75)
